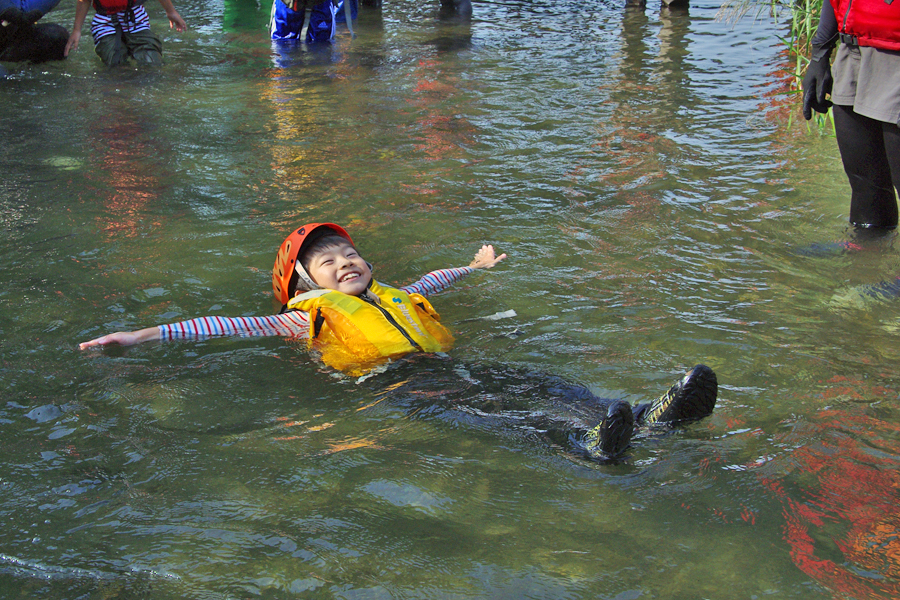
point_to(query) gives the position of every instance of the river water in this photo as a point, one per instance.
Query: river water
(657, 213)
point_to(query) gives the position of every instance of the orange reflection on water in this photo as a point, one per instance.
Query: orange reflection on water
(841, 504)
(440, 131)
(126, 172)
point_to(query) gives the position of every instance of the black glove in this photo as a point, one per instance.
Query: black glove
(817, 82)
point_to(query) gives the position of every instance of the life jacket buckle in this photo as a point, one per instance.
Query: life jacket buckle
(849, 40)
(316, 323)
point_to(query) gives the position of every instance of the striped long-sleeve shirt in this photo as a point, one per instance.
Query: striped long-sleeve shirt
(129, 22)
(292, 323)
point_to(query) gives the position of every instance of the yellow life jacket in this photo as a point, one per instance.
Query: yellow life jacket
(354, 334)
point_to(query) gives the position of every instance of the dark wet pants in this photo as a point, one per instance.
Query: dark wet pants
(497, 396)
(144, 46)
(870, 151)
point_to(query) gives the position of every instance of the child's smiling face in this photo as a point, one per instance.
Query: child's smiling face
(340, 268)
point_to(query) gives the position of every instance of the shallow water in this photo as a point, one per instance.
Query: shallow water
(657, 214)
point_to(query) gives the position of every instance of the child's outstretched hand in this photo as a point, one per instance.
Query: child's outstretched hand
(175, 21)
(485, 258)
(123, 338)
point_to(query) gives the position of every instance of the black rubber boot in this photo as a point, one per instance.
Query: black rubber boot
(692, 397)
(612, 436)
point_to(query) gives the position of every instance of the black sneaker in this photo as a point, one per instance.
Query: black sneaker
(612, 436)
(692, 397)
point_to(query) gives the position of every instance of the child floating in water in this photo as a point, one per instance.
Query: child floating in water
(329, 296)
(355, 323)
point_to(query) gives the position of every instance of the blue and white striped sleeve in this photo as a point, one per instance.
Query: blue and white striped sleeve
(289, 324)
(436, 281)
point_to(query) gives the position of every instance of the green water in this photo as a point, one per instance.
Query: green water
(656, 215)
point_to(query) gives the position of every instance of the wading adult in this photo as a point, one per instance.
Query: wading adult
(864, 83)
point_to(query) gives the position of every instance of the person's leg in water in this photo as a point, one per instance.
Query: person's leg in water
(889, 288)
(145, 46)
(321, 23)
(872, 164)
(873, 207)
(691, 398)
(111, 49)
(891, 134)
(286, 23)
(567, 414)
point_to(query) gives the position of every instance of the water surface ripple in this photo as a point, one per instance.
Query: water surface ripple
(657, 213)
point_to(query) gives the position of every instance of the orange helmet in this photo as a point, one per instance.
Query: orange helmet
(291, 247)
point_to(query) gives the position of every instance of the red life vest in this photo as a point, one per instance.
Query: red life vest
(111, 7)
(873, 23)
